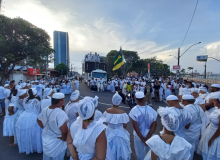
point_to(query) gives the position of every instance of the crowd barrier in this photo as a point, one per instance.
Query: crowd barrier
(203, 81)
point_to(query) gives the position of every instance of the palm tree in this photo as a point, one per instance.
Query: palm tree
(182, 71)
(191, 68)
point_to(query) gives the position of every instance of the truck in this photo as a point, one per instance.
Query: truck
(93, 69)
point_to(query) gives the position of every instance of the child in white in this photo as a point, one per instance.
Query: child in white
(8, 124)
(144, 123)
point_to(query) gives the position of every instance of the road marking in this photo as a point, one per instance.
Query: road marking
(109, 104)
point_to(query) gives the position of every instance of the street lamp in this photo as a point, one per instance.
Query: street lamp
(184, 52)
(173, 56)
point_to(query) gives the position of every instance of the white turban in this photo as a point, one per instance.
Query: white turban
(47, 92)
(22, 92)
(95, 101)
(169, 118)
(12, 105)
(23, 85)
(215, 95)
(86, 109)
(17, 87)
(194, 91)
(187, 97)
(34, 91)
(204, 89)
(6, 85)
(116, 99)
(74, 95)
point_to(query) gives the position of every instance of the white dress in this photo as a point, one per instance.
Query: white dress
(197, 125)
(167, 91)
(144, 116)
(109, 86)
(53, 147)
(124, 89)
(212, 152)
(179, 149)
(27, 129)
(85, 139)
(118, 138)
(9, 124)
(71, 110)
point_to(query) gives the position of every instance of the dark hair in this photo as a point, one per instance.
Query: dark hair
(13, 81)
(31, 95)
(55, 101)
(191, 101)
(15, 92)
(169, 83)
(207, 87)
(12, 91)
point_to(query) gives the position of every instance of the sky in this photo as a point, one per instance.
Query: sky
(150, 27)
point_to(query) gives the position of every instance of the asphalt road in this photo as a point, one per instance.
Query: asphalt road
(8, 153)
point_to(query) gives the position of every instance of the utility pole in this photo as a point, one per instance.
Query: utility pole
(71, 69)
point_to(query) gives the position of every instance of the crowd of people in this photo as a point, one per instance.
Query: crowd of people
(36, 120)
(92, 57)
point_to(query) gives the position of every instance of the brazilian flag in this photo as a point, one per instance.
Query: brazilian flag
(118, 60)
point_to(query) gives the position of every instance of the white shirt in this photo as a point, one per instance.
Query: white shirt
(2, 89)
(52, 120)
(199, 101)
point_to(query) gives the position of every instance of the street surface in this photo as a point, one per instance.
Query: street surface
(105, 98)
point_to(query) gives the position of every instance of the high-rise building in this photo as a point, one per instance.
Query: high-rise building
(61, 47)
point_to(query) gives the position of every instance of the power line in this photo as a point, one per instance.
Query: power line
(190, 23)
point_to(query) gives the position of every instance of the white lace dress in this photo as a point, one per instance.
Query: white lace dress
(118, 138)
(27, 129)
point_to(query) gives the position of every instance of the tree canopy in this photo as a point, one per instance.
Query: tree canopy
(62, 69)
(19, 40)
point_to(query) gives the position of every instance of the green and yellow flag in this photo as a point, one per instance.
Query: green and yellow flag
(118, 60)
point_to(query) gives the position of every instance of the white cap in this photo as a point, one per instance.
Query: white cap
(171, 98)
(215, 85)
(139, 95)
(116, 99)
(187, 96)
(86, 109)
(74, 95)
(6, 85)
(58, 96)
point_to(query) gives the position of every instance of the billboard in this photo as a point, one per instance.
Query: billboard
(202, 58)
(176, 67)
(90, 66)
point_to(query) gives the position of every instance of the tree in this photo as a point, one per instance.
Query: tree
(190, 68)
(62, 69)
(20, 40)
(182, 71)
(130, 57)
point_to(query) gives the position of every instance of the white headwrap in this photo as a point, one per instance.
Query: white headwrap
(86, 109)
(17, 87)
(47, 92)
(169, 118)
(194, 90)
(204, 89)
(21, 92)
(34, 91)
(74, 95)
(95, 101)
(116, 99)
(215, 95)
(12, 105)
(6, 85)
(23, 85)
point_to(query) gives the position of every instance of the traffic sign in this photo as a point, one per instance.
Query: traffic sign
(176, 67)
(202, 58)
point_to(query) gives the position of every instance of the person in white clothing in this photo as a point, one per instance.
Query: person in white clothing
(48, 93)
(86, 138)
(203, 92)
(53, 121)
(71, 109)
(144, 123)
(198, 100)
(168, 146)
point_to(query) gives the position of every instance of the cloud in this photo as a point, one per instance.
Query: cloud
(150, 28)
